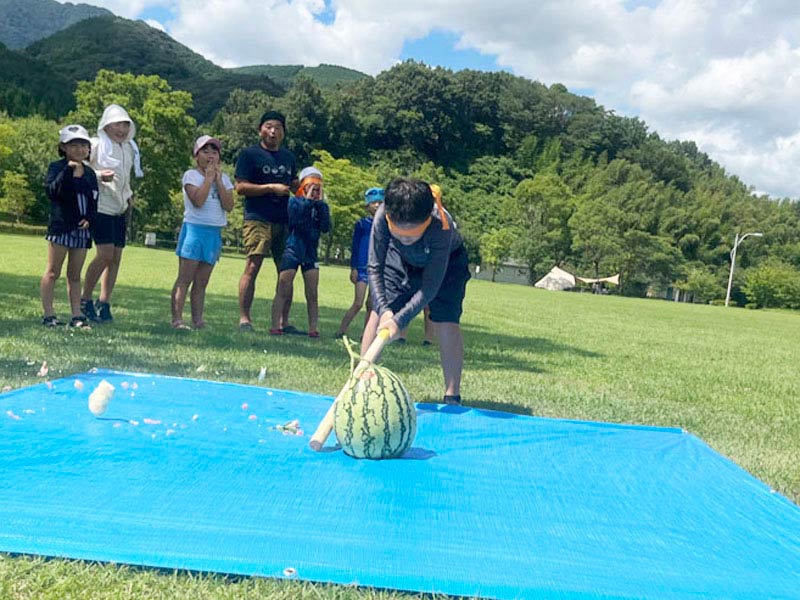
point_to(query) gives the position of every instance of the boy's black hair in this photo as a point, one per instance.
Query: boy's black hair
(408, 201)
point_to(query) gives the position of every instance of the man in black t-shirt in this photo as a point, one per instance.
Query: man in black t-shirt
(266, 175)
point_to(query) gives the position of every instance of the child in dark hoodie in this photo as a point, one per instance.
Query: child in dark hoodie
(309, 218)
(72, 188)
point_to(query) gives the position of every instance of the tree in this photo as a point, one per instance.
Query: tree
(646, 259)
(33, 145)
(773, 284)
(17, 198)
(306, 113)
(345, 184)
(496, 247)
(236, 124)
(165, 131)
(701, 283)
(596, 238)
(539, 213)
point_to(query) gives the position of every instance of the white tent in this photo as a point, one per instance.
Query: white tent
(556, 279)
(613, 279)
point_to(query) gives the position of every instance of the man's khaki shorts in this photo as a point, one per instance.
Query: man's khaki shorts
(264, 239)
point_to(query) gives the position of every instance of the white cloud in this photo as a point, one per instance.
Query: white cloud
(725, 73)
(155, 24)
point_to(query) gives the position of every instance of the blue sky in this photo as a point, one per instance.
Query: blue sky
(722, 73)
(438, 49)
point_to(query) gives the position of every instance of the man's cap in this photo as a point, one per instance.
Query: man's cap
(204, 140)
(73, 132)
(374, 194)
(273, 115)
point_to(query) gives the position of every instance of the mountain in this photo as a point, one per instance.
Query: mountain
(28, 86)
(125, 46)
(23, 22)
(325, 76)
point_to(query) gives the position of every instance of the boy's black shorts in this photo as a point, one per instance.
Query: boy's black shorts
(403, 281)
(109, 229)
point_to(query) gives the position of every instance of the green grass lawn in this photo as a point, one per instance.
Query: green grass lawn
(729, 376)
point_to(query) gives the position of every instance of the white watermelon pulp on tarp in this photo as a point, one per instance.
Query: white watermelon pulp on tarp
(375, 417)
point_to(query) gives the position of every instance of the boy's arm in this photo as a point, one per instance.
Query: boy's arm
(378, 247)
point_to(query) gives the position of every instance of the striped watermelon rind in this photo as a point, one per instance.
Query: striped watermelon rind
(375, 417)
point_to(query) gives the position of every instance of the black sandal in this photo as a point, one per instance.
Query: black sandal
(79, 322)
(51, 321)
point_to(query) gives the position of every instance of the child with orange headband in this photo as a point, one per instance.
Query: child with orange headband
(417, 258)
(309, 218)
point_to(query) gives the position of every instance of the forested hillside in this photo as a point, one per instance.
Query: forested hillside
(325, 76)
(531, 172)
(22, 22)
(28, 86)
(125, 46)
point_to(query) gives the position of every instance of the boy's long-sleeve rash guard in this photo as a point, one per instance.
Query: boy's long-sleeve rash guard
(431, 254)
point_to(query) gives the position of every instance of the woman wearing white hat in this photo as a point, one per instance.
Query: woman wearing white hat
(71, 186)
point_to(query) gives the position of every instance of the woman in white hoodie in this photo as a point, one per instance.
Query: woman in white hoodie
(114, 153)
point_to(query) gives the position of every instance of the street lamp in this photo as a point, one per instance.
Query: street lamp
(738, 240)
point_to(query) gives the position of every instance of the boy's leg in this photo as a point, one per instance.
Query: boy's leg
(430, 328)
(445, 313)
(360, 291)
(102, 259)
(186, 273)
(109, 278)
(368, 305)
(55, 259)
(311, 280)
(285, 279)
(451, 350)
(77, 256)
(278, 247)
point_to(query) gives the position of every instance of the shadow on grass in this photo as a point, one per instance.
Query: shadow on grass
(141, 332)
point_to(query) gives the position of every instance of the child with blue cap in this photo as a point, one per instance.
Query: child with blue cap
(359, 254)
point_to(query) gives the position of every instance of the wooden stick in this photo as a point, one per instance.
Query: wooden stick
(326, 425)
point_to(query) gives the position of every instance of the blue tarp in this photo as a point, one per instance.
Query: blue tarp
(486, 503)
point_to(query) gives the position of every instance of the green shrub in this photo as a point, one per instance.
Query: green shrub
(773, 284)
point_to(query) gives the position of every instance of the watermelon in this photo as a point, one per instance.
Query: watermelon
(374, 416)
